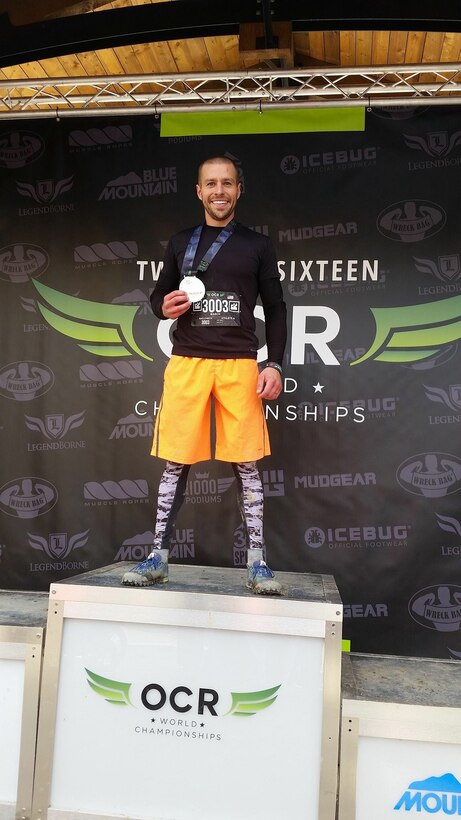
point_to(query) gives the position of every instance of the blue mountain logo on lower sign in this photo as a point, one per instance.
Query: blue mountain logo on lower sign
(433, 795)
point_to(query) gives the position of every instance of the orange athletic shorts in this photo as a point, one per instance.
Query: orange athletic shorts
(182, 425)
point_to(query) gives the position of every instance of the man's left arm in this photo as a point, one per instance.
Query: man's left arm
(270, 384)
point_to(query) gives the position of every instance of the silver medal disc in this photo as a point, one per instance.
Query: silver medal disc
(194, 288)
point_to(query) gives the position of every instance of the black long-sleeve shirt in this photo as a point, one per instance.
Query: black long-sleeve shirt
(245, 265)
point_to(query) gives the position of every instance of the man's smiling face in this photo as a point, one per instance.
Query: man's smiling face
(219, 190)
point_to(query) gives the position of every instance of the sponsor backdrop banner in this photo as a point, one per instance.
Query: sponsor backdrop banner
(365, 474)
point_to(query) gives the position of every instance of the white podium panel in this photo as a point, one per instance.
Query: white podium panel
(400, 738)
(193, 701)
(22, 621)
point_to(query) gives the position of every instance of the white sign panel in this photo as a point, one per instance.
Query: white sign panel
(11, 699)
(187, 723)
(398, 779)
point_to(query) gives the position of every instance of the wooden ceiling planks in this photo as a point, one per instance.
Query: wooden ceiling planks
(315, 48)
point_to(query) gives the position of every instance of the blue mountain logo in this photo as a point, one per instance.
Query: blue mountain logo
(432, 795)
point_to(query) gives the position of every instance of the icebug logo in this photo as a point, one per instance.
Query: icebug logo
(290, 164)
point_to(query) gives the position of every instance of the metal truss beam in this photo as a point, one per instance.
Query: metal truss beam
(238, 91)
(183, 19)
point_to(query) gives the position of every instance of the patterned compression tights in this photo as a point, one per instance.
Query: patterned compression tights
(171, 495)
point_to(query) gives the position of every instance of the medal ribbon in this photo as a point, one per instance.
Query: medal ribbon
(189, 256)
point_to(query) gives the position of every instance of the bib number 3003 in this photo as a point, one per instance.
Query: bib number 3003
(216, 309)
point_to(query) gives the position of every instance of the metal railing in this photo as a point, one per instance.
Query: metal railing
(231, 91)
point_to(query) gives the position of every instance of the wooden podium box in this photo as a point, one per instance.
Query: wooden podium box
(195, 700)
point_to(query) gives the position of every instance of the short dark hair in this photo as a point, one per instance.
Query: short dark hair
(216, 160)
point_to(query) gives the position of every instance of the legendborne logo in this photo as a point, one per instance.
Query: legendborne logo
(453, 526)
(434, 143)
(54, 427)
(451, 398)
(57, 548)
(44, 192)
(433, 795)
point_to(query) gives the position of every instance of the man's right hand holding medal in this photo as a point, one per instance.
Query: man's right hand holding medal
(175, 304)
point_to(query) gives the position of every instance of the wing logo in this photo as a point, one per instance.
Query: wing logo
(114, 691)
(415, 332)
(99, 328)
(246, 704)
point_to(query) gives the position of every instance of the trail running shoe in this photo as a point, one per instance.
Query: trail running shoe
(154, 570)
(261, 579)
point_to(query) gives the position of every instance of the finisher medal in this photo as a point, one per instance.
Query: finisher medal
(194, 288)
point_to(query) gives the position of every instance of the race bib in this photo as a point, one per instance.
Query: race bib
(216, 309)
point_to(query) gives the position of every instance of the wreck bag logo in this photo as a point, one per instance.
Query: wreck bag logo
(411, 220)
(19, 148)
(24, 381)
(18, 263)
(28, 497)
(432, 475)
(437, 607)
(105, 330)
(433, 795)
(154, 697)
(415, 332)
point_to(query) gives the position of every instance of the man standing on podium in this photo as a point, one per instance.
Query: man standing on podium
(211, 279)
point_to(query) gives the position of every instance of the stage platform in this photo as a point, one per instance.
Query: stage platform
(216, 703)
(400, 737)
(22, 625)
